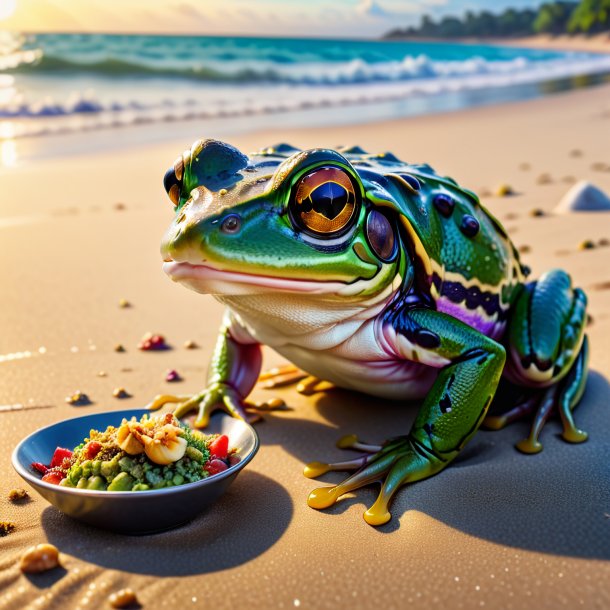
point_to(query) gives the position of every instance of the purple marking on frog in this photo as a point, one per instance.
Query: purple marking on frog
(490, 327)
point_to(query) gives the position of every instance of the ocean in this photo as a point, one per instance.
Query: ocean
(62, 83)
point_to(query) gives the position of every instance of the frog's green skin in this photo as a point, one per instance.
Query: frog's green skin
(443, 317)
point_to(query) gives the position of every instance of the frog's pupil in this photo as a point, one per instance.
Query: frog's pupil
(328, 199)
(231, 224)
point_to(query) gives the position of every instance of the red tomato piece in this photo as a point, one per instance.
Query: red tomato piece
(54, 477)
(92, 449)
(40, 467)
(219, 447)
(214, 466)
(59, 455)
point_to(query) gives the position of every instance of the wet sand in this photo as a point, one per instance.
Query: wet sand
(497, 529)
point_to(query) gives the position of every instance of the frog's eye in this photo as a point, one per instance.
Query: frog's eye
(324, 202)
(172, 181)
(380, 235)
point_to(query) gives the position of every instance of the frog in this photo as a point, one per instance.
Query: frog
(378, 276)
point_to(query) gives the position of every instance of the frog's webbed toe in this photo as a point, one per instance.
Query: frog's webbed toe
(217, 396)
(392, 464)
(289, 374)
(280, 376)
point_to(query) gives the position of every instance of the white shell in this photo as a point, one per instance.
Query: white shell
(584, 197)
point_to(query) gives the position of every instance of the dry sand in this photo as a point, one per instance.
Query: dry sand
(599, 43)
(496, 530)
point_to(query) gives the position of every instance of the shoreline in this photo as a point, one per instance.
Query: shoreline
(598, 43)
(419, 89)
(55, 147)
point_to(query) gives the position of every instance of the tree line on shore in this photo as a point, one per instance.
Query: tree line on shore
(585, 17)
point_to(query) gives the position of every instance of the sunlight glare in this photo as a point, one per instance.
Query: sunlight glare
(8, 153)
(7, 8)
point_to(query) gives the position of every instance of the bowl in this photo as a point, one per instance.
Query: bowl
(130, 512)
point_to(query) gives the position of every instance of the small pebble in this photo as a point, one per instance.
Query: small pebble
(599, 167)
(504, 190)
(604, 241)
(601, 286)
(511, 216)
(124, 303)
(190, 344)
(576, 152)
(276, 403)
(120, 206)
(39, 558)
(172, 375)
(569, 179)
(18, 495)
(589, 319)
(152, 342)
(544, 179)
(524, 167)
(78, 399)
(6, 528)
(119, 348)
(121, 393)
(102, 374)
(123, 598)
(525, 249)
(587, 244)
(537, 212)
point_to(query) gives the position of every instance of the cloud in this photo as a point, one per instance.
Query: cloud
(393, 10)
(370, 8)
(187, 10)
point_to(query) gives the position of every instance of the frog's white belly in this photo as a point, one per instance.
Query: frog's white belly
(353, 354)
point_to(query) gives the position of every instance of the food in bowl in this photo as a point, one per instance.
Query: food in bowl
(139, 455)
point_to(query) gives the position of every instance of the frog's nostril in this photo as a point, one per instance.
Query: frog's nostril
(231, 224)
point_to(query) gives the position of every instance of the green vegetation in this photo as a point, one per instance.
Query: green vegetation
(587, 16)
(590, 16)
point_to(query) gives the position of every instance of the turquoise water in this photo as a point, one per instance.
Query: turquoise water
(62, 82)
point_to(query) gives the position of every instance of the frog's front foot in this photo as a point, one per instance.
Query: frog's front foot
(289, 374)
(397, 462)
(214, 397)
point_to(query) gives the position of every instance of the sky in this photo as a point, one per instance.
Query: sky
(302, 18)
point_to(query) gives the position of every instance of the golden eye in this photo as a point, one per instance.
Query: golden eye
(324, 201)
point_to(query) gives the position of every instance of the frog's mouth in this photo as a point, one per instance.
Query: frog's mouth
(209, 280)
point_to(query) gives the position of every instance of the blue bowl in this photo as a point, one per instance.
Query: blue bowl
(129, 512)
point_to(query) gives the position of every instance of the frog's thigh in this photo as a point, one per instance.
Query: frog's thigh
(546, 330)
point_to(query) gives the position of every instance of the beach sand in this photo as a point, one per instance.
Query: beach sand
(495, 530)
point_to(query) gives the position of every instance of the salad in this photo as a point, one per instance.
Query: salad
(152, 453)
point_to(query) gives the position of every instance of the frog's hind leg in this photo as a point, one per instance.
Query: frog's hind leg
(563, 396)
(549, 353)
(521, 410)
(571, 392)
(289, 374)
